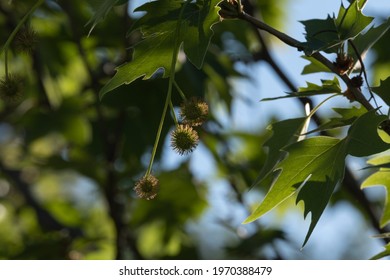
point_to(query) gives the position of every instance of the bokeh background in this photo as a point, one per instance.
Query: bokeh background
(69, 161)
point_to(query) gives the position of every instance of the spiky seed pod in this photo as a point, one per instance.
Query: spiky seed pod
(357, 81)
(194, 111)
(26, 40)
(184, 139)
(343, 63)
(11, 89)
(147, 187)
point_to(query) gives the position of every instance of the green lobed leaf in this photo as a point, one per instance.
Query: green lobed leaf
(324, 34)
(383, 90)
(316, 162)
(158, 27)
(364, 41)
(347, 117)
(381, 178)
(361, 3)
(351, 21)
(283, 133)
(383, 254)
(315, 166)
(363, 138)
(314, 66)
(320, 34)
(327, 87)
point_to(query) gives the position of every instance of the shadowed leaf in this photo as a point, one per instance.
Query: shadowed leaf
(383, 90)
(324, 34)
(159, 28)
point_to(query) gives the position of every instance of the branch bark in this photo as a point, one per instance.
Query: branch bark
(318, 56)
(351, 184)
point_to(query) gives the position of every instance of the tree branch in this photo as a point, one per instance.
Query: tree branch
(350, 183)
(318, 56)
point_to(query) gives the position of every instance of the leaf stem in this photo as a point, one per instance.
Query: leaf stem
(170, 84)
(173, 113)
(180, 91)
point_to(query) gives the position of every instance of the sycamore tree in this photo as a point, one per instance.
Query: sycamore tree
(94, 96)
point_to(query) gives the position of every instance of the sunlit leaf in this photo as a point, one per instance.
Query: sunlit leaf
(382, 254)
(363, 138)
(315, 166)
(327, 87)
(381, 178)
(347, 117)
(314, 66)
(283, 133)
(351, 21)
(364, 41)
(158, 27)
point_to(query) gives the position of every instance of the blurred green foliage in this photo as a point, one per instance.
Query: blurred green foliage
(69, 161)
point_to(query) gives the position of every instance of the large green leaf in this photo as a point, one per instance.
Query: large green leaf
(315, 166)
(381, 178)
(317, 162)
(383, 90)
(322, 35)
(159, 29)
(364, 41)
(327, 87)
(363, 138)
(347, 117)
(283, 133)
(314, 66)
(361, 3)
(351, 21)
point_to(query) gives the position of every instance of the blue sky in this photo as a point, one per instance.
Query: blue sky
(341, 226)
